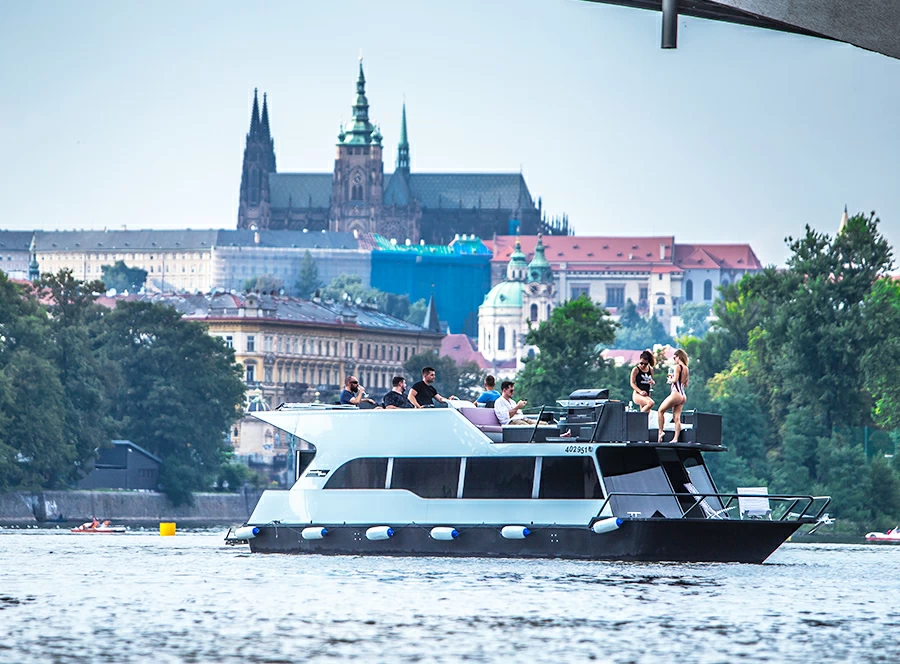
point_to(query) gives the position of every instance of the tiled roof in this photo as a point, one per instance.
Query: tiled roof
(489, 190)
(273, 307)
(288, 239)
(431, 190)
(724, 256)
(572, 249)
(298, 189)
(124, 240)
(460, 348)
(15, 240)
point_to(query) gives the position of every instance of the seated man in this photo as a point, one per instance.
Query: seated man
(509, 411)
(395, 399)
(354, 394)
(423, 393)
(490, 392)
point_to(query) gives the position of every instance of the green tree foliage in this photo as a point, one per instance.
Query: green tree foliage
(176, 392)
(264, 283)
(694, 319)
(637, 332)
(348, 287)
(417, 311)
(308, 283)
(451, 379)
(124, 278)
(799, 357)
(570, 342)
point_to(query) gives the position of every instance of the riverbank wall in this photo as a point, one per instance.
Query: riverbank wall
(20, 507)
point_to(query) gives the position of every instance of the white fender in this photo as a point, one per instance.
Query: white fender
(246, 532)
(442, 533)
(515, 532)
(313, 533)
(379, 533)
(606, 525)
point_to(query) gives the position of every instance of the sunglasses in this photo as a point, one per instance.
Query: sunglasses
(354, 382)
(643, 364)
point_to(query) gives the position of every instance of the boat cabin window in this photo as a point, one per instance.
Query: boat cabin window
(359, 474)
(569, 477)
(506, 477)
(699, 474)
(637, 471)
(428, 478)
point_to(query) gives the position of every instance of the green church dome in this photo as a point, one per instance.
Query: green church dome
(506, 294)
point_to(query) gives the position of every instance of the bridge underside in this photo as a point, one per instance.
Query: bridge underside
(870, 24)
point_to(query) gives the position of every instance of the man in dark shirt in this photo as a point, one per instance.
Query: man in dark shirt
(354, 393)
(424, 393)
(395, 399)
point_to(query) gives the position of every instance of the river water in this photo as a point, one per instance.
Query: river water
(140, 597)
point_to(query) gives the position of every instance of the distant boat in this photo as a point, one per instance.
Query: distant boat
(96, 528)
(890, 537)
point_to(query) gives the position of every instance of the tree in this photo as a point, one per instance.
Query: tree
(694, 318)
(417, 312)
(308, 283)
(570, 342)
(124, 278)
(636, 332)
(264, 283)
(451, 379)
(176, 392)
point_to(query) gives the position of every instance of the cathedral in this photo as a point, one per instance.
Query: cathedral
(359, 196)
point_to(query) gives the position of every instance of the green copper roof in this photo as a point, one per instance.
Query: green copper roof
(506, 294)
(359, 130)
(517, 259)
(539, 268)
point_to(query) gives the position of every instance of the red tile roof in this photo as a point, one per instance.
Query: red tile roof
(725, 256)
(462, 350)
(573, 249)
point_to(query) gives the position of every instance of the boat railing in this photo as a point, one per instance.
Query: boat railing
(806, 509)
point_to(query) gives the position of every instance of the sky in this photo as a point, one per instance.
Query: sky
(134, 114)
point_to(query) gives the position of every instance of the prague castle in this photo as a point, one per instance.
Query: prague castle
(358, 195)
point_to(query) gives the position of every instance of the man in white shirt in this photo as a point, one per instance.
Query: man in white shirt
(509, 411)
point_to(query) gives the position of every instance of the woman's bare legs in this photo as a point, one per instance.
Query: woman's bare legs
(646, 403)
(673, 401)
(676, 416)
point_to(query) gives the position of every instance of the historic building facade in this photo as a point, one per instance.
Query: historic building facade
(359, 196)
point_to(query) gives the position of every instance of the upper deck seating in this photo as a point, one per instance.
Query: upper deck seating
(756, 504)
(486, 420)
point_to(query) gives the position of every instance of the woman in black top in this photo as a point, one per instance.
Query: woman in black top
(642, 381)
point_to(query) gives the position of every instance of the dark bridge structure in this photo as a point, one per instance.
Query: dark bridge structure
(870, 24)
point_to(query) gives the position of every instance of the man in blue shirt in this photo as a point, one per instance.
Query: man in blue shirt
(490, 391)
(354, 394)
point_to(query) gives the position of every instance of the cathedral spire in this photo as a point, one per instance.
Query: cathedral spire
(403, 146)
(264, 123)
(254, 116)
(844, 219)
(34, 272)
(359, 129)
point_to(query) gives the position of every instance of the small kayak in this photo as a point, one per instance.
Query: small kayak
(97, 528)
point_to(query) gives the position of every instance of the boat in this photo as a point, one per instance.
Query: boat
(892, 536)
(95, 527)
(452, 482)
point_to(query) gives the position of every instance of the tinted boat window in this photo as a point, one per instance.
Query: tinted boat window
(359, 474)
(569, 477)
(429, 478)
(637, 471)
(507, 477)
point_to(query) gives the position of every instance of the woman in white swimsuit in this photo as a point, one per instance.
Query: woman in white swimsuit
(678, 395)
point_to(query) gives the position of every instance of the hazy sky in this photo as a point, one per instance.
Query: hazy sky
(117, 113)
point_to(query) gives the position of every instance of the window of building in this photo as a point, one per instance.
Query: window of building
(250, 373)
(643, 293)
(229, 341)
(320, 348)
(405, 353)
(251, 343)
(534, 313)
(615, 296)
(368, 351)
(578, 291)
(359, 474)
(507, 477)
(267, 343)
(660, 300)
(428, 478)
(688, 290)
(569, 477)
(383, 352)
(320, 376)
(267, 372)
(707, 290)
(501, 338)
(549, 309)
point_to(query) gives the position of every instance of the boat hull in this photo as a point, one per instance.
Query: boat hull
(650, 540)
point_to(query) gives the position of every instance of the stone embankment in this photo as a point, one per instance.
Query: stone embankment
(20, 507)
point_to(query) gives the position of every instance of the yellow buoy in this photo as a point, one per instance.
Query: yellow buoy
(166, 529)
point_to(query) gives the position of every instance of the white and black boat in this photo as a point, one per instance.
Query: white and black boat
(450, 482)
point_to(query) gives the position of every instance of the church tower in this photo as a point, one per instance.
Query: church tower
(403, 148)
(357, 186)
(259, 161)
